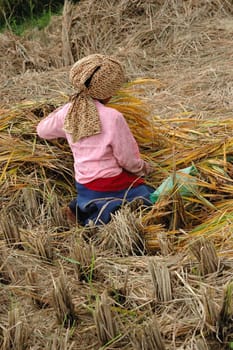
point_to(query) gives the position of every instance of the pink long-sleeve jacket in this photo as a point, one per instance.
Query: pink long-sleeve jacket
(99, 156)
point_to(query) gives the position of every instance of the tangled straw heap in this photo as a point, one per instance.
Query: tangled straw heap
(168, 144)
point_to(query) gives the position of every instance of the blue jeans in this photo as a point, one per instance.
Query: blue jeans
(98, 206)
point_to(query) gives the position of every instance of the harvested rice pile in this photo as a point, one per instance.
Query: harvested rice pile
(151, 279)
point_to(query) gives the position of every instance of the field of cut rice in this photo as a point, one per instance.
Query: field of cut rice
(157, 278)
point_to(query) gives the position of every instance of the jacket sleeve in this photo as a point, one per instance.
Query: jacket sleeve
(125, 148)
(51, 127)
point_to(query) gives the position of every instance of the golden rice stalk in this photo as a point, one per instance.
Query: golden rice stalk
(148, 337)
(23, 154)
(105, 320)
(155, 227)
(152, 237)
(217, 227)
(123, 234)
(177, 217)
(158, 214)
(135, 110)
(84, 256)
(63, 304)
(205, 252)
(16, 334)
(161, 280)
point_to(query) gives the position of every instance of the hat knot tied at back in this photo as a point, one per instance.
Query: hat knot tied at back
(93, 77)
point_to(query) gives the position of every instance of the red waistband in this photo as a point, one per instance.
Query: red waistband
(116, 183)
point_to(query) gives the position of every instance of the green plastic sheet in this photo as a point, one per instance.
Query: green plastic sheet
(184, 184)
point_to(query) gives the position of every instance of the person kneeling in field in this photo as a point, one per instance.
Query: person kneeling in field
(107, 164)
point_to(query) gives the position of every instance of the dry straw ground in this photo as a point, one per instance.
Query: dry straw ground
(155, 279)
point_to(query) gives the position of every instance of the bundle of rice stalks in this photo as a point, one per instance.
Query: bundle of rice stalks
(217, 228)
(39, 243)
(197, 344)
(84, 257)
(60, 341)
(31, 279)
(225, 324)
(105, 321)
(148, 337)
(161, 280)
(63, 303)
(16, 333)
(193, 214)
(211, 310)
(7, 272)
(123, 235)
(10, 229)
(135, 107)
(206, 255)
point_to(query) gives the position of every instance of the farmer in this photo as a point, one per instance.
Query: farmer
(107, 164)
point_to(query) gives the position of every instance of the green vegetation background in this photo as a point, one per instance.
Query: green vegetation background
(18, 15)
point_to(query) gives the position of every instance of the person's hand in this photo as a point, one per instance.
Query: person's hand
(148, 168)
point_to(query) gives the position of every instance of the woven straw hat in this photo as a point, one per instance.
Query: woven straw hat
(93, 77)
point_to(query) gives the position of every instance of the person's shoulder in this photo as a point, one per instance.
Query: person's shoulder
(66, 106)
(63, 109)
(108, 111)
